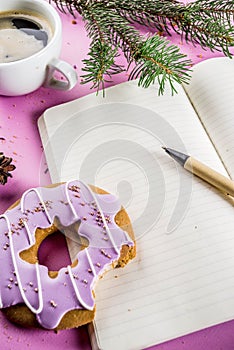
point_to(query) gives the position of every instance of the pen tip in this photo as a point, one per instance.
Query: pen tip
(165, 148)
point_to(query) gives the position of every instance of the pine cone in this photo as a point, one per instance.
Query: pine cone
(5, 168)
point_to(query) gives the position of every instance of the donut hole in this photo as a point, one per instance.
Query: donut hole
(53, 252)
(51, 249)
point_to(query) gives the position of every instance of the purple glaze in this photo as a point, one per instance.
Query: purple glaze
(69, 203)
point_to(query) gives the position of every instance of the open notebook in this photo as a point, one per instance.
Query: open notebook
(182, 279)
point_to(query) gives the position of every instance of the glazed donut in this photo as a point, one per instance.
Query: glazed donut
(29, 293)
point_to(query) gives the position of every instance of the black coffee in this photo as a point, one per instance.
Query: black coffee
(22, 35)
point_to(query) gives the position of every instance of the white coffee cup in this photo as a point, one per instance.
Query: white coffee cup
(28, 74)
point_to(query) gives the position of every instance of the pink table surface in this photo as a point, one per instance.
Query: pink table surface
(19, 138)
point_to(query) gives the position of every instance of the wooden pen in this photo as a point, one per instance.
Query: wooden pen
(201, 170)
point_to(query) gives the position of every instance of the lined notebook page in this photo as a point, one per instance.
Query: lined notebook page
(182, 277)
(214, 102)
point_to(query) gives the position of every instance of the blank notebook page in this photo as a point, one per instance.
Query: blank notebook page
(182, 277)
(214, 102)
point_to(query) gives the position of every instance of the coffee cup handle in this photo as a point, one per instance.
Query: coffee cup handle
(66, 70)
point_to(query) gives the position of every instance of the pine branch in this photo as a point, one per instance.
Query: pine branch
(158, 60)
(106, 28)
(109, 24)
(111, 27)
(219, 10)
(207, 23)
(100, 66)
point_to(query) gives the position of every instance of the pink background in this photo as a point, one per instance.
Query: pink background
(19, 139)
